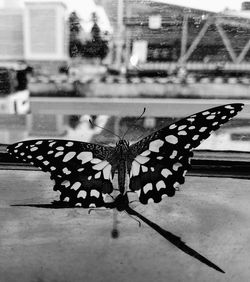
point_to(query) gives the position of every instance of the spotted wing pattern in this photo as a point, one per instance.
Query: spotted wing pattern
(81, 171)
(162, 158)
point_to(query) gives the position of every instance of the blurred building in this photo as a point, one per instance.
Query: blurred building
(11, 33)
(35, 33)
(158, 35)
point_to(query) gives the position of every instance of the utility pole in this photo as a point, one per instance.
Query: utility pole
(119, 40)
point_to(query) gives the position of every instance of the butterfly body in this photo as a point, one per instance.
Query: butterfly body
(121, 162)
(151, 168)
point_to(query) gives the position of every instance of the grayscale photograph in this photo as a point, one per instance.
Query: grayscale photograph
(124, 141)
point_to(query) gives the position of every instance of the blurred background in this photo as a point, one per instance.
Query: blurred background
(64, 62)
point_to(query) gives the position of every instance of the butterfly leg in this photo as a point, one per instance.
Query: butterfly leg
(96, 209)
(138, 221)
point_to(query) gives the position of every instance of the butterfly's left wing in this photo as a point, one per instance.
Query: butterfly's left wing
(160, 160)
(81, 171)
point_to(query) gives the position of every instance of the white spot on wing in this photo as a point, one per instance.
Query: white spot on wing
(176, 185)
(76, 185)
(85, 157)
(195, 137)
(166, 172)
(106, 171)
(174, 154)
(172, 126)
(142, 160)
(203, 129)
(160, 184)
(58, 154)
(95, 161)
(60, 148)
(39, 142)
(101, 165)
(82, 194)
(147, 188)
(182, 127)
(206, 113)
(69, 156)
(39, 157)
(18, 145)
(69, 144)
(45, 162)
(66, 171)
(135, 169)
(33, 149)
(144, 168)
(145, 153)
(150, 200)
(210, 117)
(183, 132)
(155, 145)
(176, 166)
(66, 183)
(95, 193)
(171, 139)
(98, 175)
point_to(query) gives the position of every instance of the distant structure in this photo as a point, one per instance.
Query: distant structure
(35, 33)
(245, 6)
(11, 31)
(161, 36)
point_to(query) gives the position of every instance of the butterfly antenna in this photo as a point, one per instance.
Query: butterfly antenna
(143, 112)
(94, 124)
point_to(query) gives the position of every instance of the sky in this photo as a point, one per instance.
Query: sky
(210, 5)
(86, 6)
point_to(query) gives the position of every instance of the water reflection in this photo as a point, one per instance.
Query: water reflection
(235, 135)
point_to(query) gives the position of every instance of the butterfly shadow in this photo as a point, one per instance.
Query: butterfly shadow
(172, 238)
(175, 240)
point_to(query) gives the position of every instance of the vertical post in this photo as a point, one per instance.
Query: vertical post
(184, 36)
(119, 34)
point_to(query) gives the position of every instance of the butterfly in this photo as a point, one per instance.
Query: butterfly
(152, 168)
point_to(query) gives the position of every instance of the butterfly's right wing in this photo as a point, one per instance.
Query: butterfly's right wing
(81, 171)
(161, 159)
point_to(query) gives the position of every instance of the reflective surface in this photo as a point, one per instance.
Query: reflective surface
(235, 135)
